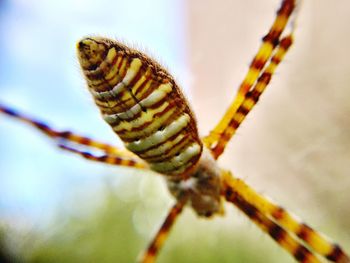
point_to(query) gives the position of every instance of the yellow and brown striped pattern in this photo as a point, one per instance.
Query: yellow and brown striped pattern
(143, 105)
(252, 96)
(72, 142)
(112, 159)
(275, 231)
(281, 225)
(269, 42)
(150, 254)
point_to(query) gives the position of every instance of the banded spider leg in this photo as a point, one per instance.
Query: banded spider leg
(72, 142)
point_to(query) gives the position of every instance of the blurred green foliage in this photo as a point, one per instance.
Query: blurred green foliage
(4, 253)
(108, 231)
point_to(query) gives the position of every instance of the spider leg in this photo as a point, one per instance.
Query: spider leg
(252, 203)
(269, 43)
(106, 158)
(65, 135)
(278, 233)
(150, 254)
(252, 96)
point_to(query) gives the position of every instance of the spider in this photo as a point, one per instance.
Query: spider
(142, 103)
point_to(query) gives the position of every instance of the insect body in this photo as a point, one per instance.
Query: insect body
(144, 106)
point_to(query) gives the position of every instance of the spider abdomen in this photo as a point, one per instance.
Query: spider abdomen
(142, 103)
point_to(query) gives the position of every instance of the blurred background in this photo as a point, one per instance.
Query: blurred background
(294, 147)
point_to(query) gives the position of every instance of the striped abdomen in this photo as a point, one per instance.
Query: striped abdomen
(142, 104)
